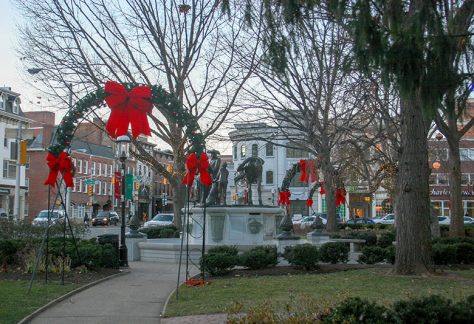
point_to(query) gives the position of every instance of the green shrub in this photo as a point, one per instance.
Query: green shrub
(453, 240)
(226, 249)
(160, 232)
(465, 253)
(431, 309)
(334, 252)
(390, 254)
(259, 257)
(386, 239)
(218, 263)
(8, 249)
(444, 230)
(357, 310)
(302, 255)
(372, 254)
(444, 254)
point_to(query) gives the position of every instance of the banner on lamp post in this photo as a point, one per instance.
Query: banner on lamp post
(118, 185)
(129, 186)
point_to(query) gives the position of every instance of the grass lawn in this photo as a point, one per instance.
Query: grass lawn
(16, 303)
(374, 284)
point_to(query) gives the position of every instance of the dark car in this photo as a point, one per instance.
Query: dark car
(364, 221)
(102, 218)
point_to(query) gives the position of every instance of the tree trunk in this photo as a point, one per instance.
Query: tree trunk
(331, 225)
(179, 190)
(413, 254)
(456, 227)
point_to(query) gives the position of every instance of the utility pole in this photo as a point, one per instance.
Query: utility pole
(17, 200)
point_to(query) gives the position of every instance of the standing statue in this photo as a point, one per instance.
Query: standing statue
(214, 165)
(251, 171)
(222, 182)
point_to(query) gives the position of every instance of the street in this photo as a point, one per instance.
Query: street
(94, 231)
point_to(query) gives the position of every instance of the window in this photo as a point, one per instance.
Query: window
(9, 169)
(99, 169)
(104, 166)
(93, 168)
(466, 154)
(269, 149)
(74, 180)
(99, 192)
(110, 170)
(84, 187)
(2, 102)
(13, 151)
(27, 165)
(441, 208)
(86, 167)
(269, 177)
(5, 142)
(16, 106)
(242, 151)
(104, 189)
(235, 152)
(79, 185)
(464, 179)
(438, 179)
(254, 150)
(295, 153)
(79, 170)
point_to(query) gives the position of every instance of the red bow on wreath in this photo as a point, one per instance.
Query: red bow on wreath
(61, 163)
(340, 196)
(309, 202)
(284, 198)
(193, 165)
(127, 108)
(308, 170)
(321, 190)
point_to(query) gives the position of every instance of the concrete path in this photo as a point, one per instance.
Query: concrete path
(137, 297)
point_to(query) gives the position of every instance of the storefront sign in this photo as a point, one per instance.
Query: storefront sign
(446, 192)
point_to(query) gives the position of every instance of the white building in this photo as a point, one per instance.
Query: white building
(11, 117)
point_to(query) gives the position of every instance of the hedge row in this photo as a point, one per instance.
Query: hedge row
(168, 231)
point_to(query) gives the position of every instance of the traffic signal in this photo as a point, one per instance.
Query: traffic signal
(89, 190)
(137, 185)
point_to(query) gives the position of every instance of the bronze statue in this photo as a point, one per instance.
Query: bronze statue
(251, 171)
(214, 165)
(222, 183)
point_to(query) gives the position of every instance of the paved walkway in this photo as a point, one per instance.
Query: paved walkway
(137, 297)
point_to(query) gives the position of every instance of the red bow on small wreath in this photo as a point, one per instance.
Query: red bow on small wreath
(61, 163)
(284, 198)
(308, 171)
(321, 190)
(309, 202)
(127, 108)
(193, 165)
(340, 196)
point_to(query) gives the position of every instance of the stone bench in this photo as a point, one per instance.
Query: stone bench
(355, 244)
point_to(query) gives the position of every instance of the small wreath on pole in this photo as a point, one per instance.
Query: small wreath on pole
(309, 173)
(130, 104)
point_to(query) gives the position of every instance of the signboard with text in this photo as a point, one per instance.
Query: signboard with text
(129, 186)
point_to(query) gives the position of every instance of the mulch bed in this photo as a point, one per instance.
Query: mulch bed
(75, 276)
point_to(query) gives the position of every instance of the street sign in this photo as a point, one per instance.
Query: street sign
(89, 182)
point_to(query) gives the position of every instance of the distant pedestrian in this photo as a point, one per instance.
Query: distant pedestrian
(86, 219)
(145, 216)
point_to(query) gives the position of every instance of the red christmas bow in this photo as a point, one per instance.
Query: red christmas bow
(321, 190)
(340, 196)
(284, 198)
(127, 108)
(309, 202)
(62, 163)
(193, 165)
(308, 170)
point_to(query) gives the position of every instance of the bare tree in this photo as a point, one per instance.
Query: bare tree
(188, 47)
(314, 104)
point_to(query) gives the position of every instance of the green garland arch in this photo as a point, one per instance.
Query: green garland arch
(165, 102)
(290, 174)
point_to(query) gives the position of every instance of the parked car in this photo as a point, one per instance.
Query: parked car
(308, 220)
(102, 218)
(363, 221)
(387, 219)
(3, 214)
(55, 217)
(468, 220)
(160, 220)
(444, 220)
(114, 218)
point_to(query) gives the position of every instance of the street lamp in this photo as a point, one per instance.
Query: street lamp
(123, 142)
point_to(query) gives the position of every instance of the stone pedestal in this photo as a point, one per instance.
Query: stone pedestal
(235, 225)
(317, 237)
(282, 243)
(132, 246)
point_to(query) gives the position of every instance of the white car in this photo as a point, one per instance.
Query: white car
(55, 216)
(387, 219)
(444, 220)
(468, 220)
(160, 220)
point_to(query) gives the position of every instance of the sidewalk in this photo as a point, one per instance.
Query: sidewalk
(137, 297)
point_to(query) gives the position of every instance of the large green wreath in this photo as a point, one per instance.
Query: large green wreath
(165, 102)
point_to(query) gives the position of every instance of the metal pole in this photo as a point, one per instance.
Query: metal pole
(17, 200)
(68, 192)
(123, 248)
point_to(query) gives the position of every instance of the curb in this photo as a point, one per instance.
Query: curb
(163, 311)
(28, 318)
